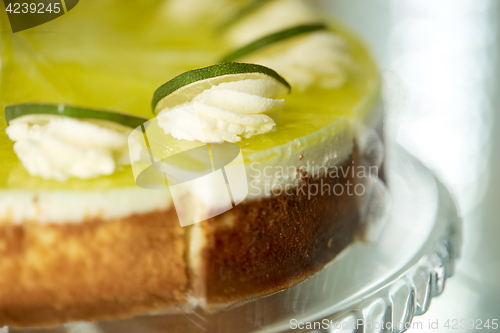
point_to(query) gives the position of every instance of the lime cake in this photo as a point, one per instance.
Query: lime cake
(98, 103)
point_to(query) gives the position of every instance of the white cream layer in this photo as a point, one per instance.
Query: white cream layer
(60, 206)
(59, 147)
(225, 112)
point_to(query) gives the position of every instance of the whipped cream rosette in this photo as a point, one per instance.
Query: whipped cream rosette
(220, 103)
(227, 112)
(189, 11)
(261, 18)
(61, 142)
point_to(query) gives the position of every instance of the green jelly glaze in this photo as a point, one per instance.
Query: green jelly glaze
(96, 58)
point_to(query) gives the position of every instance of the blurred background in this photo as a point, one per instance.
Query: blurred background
(441, 68)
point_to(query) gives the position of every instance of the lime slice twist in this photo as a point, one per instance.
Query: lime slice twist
(272, 39)
(184, 87)
(18, 110)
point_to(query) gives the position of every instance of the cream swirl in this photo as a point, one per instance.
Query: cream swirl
(59, 147)
(225, 112)
(318, 58)
(271, 17)
(189, 11)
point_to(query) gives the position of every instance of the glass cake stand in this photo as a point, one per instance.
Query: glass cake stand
(375, 286)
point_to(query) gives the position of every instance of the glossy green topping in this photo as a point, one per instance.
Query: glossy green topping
(272, 39)
(45, 68)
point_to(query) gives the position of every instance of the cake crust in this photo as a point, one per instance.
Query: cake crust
(90, 271)
(108, 269)
(274, 243)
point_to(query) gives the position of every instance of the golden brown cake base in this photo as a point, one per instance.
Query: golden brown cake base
(113, 269)
(274, 243)
(94, 270)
